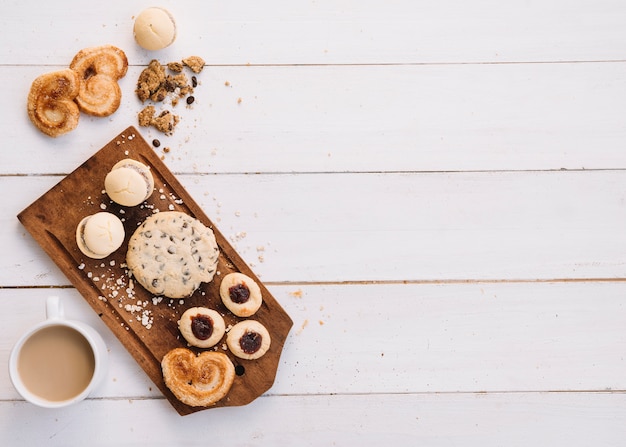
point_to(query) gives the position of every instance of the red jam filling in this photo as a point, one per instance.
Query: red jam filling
(201, 326)
(250, 342)
(239, 293)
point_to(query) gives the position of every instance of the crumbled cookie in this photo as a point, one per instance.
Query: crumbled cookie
(146, 115)
(156, 85)
(150, 84)
(179, 81)
(176, 67)
(165, 122)
(195, 63)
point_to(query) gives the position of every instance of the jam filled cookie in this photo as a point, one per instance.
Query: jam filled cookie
(51, 106)
(202, 327)
(99, 235)
(248, 340)
(172, 253)
(99, 69)
(129, 182)
(240, 294)
(199, 381)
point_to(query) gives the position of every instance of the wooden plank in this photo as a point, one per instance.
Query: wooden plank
(404, 227)
(105, 283)
(359, 118)
(484, 337)
(487, 420)
(331, 31)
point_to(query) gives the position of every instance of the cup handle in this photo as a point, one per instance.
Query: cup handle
(54, 308)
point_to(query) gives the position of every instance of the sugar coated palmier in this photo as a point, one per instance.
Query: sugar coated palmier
(240, 294)
(99, 69)
(51, 106)
(199, 381)
(248, 340)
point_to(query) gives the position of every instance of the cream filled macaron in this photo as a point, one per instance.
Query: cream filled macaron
(154, 28)
(129, 182)
(99, 235)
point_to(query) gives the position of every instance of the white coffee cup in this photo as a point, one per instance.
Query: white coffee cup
(58, 362)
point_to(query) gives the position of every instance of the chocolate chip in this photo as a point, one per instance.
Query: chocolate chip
(156, 143)
(190, 99)
(194, 81)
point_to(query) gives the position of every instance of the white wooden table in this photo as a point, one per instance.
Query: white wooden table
(434, 191)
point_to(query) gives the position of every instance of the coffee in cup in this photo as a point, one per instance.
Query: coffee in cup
(58, 362)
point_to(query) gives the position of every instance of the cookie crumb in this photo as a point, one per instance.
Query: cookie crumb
(145, 119)
(176, 67)
(195, 63)
(165, 122)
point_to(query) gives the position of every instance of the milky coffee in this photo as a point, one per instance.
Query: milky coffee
(56, 363)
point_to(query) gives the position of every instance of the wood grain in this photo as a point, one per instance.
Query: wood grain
(52, 221)
(331, 31)
(325, 227)
(478, 146)
(406, 118)
(372, 420)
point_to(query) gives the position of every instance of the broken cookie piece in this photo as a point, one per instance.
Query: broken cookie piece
(146, 115)
(165, 122)
(176, 67)
(155, 84)
(195, 63)
(151, 81)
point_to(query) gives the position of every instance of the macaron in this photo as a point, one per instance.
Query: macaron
(129, 182)
(99, 235)
(154, 28)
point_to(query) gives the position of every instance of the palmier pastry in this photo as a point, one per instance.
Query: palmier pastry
(51, 105)
(99, 69)
(248, 340)
(199, 381)
(202, 327)
(240, 294)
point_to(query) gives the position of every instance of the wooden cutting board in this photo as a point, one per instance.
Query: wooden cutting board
(146, 325)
